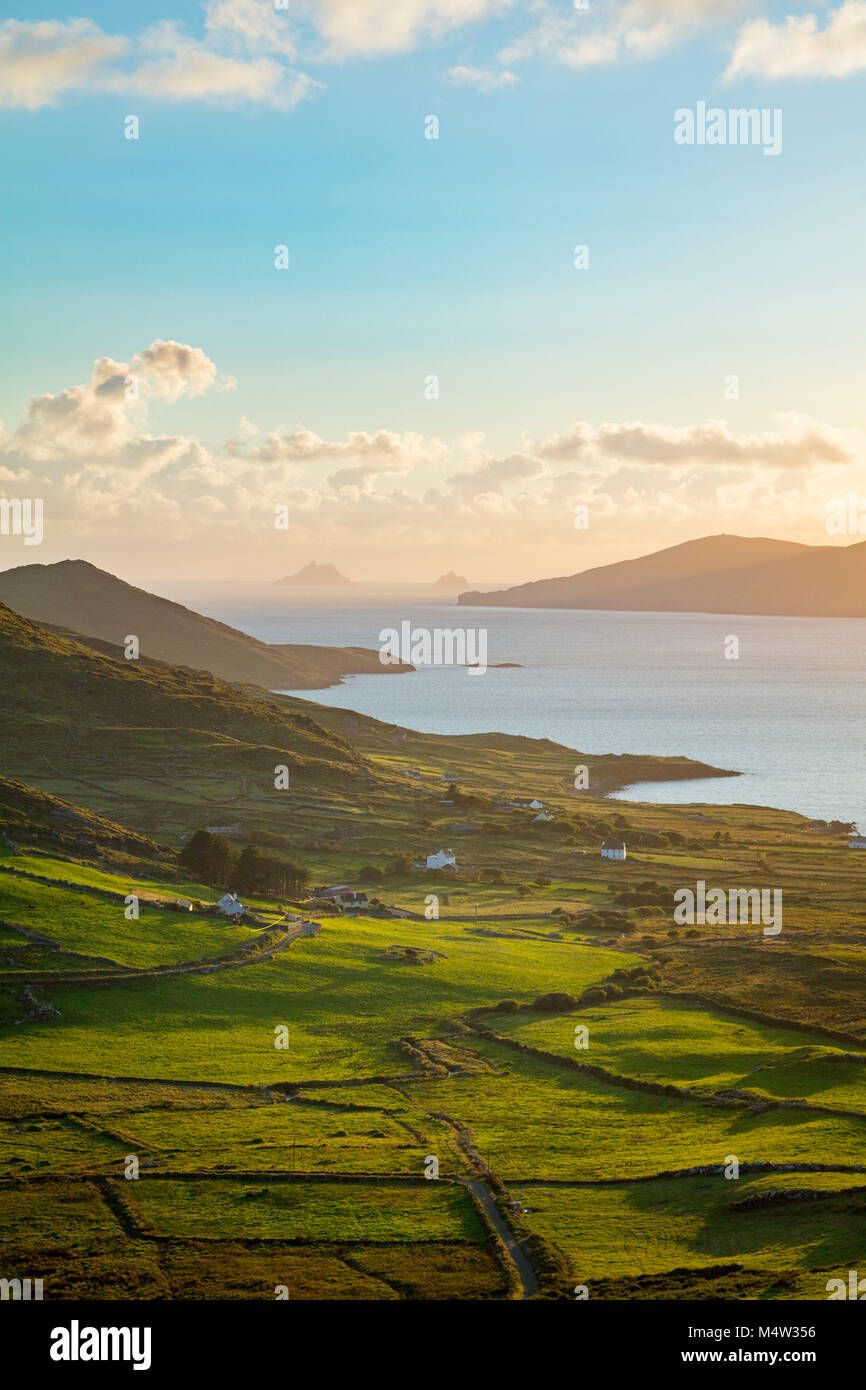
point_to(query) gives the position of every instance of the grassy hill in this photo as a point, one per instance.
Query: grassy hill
(167, 749)
(121, 736)
(77, 596)
(716, 574)
(36, 816)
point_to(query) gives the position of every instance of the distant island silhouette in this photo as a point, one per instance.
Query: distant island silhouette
(316, 575)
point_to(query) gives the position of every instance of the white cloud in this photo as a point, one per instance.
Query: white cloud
(41, 62)
(175, 369)
(363, 456)
(492, 475)
(482, 78)
(598, 36)
(799, 48)
(795, 443)
(394, 26)
(96, 420)
(184, 70)
(253, 24)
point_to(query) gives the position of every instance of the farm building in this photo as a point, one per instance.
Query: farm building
(857, 842)
(231, 905)
(613, 849)
(442, 859)
(343, 896)
(522, 804)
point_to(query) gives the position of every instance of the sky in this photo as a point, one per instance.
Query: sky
(329, 304)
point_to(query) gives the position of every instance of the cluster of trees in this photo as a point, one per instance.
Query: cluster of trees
(648, 893)
(212, 858)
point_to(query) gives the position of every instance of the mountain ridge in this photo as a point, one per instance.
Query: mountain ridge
(89, 602)
(712, 574)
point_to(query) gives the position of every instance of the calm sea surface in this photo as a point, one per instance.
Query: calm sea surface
(788, 714)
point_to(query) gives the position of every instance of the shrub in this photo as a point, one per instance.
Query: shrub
(370, 874)
(554, 1003)
(593, 995)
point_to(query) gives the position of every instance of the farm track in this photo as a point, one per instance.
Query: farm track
(517, 1255)
(480, 1187)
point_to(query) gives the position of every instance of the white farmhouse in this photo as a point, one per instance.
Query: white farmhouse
(613, 849)
(442, 859)
(231, 905)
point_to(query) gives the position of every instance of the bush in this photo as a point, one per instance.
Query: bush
(554, 1003)
(594, 995)
(370, 874)
(492, 876)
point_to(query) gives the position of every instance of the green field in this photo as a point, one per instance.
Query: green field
(91, 926)
(346, 1007)
(647, 1228)
(307, 1211)
(699, 1048)
(543, 1121)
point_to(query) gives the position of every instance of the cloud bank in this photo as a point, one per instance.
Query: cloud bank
(89, 453)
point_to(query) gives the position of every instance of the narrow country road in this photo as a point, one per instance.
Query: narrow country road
(509, 1240)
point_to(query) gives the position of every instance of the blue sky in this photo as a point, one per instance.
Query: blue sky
(452, 257)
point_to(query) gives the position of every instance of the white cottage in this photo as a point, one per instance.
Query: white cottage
(231, 905)
(442, 859)
(613, 849)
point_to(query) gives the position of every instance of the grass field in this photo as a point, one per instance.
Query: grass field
(346, 1006)
(92, 926)
(647, 1228)
(264, 1166)
(333, 1211)
(704, 1049)
(542, 1121)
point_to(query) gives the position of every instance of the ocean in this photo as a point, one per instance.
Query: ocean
(787, 713)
